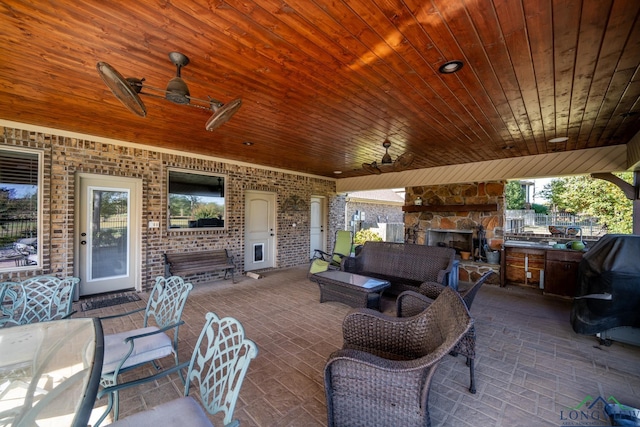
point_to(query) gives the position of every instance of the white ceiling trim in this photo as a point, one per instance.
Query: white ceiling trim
(576, 162)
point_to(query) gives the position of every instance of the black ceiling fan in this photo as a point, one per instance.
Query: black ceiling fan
(401, 163)
(127, 90)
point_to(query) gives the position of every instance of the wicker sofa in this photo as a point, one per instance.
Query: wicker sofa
(405, 266)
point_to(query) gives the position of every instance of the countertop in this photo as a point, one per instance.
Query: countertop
(535, 245)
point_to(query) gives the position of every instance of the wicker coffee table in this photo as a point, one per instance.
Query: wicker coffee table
(351, 289)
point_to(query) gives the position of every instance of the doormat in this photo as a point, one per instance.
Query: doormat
(108, 302)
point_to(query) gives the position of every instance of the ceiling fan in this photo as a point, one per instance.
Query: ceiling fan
(127, 90)
(401, 163)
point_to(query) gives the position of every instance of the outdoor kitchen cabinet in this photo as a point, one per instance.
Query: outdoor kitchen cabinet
(561, 272)
(524, 266)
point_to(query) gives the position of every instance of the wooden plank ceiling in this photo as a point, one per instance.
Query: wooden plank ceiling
(323, 84)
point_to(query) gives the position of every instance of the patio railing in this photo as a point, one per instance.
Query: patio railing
(528, 221)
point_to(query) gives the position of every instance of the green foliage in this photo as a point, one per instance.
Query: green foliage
(180, 205)
(366, 236)
(112, 203)
(209, 210)
(540, 209)
(554, 192)
(514, 195)
(595, 197)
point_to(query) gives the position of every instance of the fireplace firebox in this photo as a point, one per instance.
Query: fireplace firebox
(460, 240)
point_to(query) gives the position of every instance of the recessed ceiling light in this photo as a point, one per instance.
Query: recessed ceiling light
(508, 147)
(450, 67)
(337, 172)
(558, 139)
(248, 143)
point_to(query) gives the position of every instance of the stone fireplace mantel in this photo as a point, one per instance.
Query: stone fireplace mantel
(487, 207)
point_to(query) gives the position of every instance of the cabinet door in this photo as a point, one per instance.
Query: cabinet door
(561, 272)
(523, 266)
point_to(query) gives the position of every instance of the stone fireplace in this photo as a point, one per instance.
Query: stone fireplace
(458, 216)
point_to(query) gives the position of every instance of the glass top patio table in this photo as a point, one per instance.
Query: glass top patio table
(352, 279)
(50, 372)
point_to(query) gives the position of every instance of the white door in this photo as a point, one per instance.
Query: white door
(260, 226)
(317, 238)
(108, 233)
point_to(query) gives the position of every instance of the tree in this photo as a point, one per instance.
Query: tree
(209, 210)
(367, 235)
(554, 192)
(595, 197)
(514, 195)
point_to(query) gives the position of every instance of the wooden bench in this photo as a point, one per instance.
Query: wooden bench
(185, 264)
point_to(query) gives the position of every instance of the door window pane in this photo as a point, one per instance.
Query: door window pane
(109, 234)
(19, 208)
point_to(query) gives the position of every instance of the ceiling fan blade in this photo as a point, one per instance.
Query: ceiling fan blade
(403, 161)
(122, 88)
(371, 168)
(223, 114)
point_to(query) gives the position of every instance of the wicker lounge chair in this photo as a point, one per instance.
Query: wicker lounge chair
(383, 373)
(410, 303)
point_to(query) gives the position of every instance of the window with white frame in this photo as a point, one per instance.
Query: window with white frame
(20, 208)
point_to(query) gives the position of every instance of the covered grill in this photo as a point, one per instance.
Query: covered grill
(608, 292)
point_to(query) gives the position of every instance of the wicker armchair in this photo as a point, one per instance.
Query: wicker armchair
(383, 374)
(410, 303)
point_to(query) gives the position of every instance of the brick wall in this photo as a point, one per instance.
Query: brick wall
(377, 212)
(65, 157)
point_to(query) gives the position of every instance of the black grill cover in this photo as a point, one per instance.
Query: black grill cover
(611, 266)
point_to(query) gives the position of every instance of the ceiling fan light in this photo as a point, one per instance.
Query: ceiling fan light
(559, 139)
(386, 159)
(177, 91)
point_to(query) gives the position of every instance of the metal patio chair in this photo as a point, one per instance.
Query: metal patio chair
(36, 299)
(127, 350)
(218, 366)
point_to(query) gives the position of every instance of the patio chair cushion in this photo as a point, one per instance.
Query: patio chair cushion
(146, 349)
(178, 412)
(318, 266)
